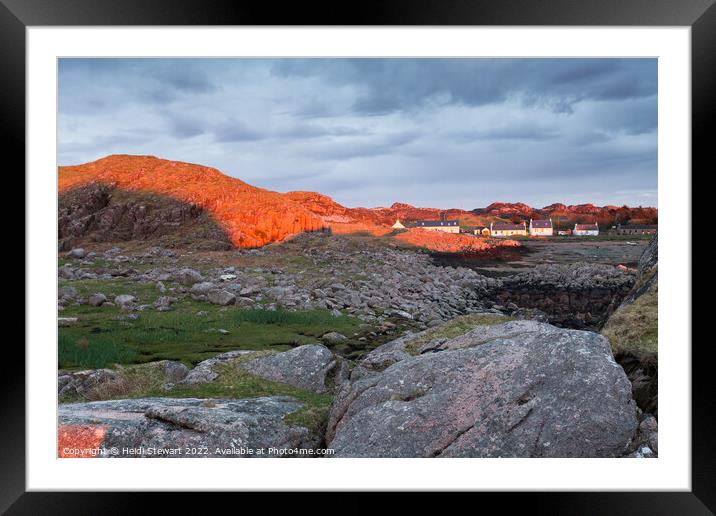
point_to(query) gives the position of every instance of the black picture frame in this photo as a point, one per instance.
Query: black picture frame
(700, 15)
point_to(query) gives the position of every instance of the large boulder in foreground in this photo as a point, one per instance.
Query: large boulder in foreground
(540, 391)
(310, 367)
(168, 427)
(306, 367)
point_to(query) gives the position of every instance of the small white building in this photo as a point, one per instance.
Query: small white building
(586, 229)
(501, 230)
(398, 225)
(446, 226)
(482, 231)
(541, 228)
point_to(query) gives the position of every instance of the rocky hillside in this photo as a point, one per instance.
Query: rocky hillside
(250, 216)
(572, 214)
(100, 213)
(633, 330)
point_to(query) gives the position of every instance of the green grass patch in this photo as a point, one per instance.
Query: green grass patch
(81, 353)
(634, 328)
(454, 328)
(145, 292)
(234, 383)
(104, 336)
(146, 381)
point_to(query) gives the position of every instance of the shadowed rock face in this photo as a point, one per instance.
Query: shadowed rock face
(545, 392)
(251, 216)
(578, 296)
(167, 424)
(632, 330)
(99, 213)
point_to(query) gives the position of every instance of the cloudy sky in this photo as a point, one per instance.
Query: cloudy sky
(368, 132)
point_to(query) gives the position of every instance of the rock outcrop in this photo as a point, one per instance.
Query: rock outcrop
(248, 216)
(306, 367)
(579, 295)
(168, 427)
(633, 330)
(95, 384)
(101, 213)
(519, 389)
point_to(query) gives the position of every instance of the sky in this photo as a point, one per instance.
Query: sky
(444, 133)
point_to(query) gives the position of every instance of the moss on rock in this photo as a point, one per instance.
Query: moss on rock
(633, 328)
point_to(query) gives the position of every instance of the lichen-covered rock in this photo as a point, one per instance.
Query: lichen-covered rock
(187, 277)
(174, 371)
(204, 371)
(333, 337)
(124, 300)
(97, 299)
(82, 383)
(221, 297)
(77, 253)
(164, 303)
(432, 339)
(306, 367)
(540, 392)
(94, 384)
(168, 427)
(202, 288)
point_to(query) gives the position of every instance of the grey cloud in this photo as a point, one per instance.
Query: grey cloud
(374, 131)
(401, 84)
(182, 126)
(508, 133)
(235, 131)
(361, 148)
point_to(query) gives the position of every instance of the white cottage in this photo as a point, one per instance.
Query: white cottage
(586, 229)
(501, 230)
(541, 228)
(446, 226)
(398, 225)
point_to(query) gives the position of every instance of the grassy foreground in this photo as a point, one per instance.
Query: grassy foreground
(454, 328)
(104, 336)
(147, 381)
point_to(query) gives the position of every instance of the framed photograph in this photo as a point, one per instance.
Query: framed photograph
(414, 248)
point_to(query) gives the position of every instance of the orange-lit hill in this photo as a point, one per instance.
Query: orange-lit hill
(567, 215)
(375, 220)
(340, 219)
(251, 216)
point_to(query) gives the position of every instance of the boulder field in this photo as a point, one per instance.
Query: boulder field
(340, 274)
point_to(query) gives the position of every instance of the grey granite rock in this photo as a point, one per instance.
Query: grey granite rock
(541, 392)
(168, 427)
(306, 367)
